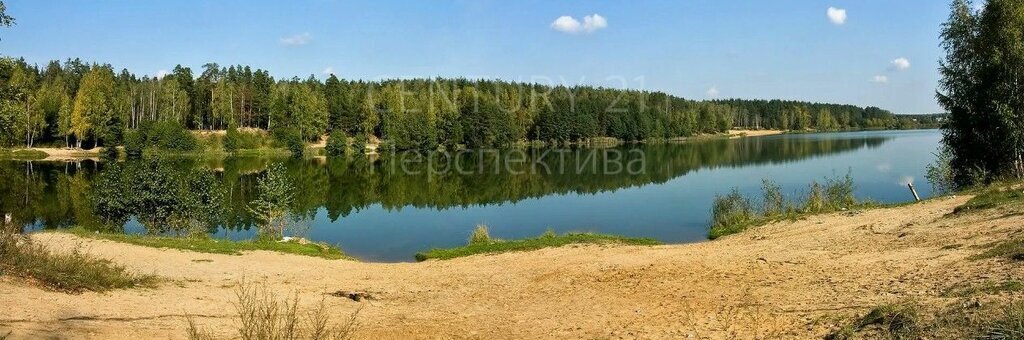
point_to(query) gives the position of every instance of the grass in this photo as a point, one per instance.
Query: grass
(548, 240)
(262, 314)
(1010, 249)
(990, 199)
(71, 272)
(1008, 325)
(214, 246)
(22, 154)
(734, 213)
(891, 321)
(986, 288)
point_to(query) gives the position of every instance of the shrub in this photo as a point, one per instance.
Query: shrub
(292, 140)
(839, 193)
(109, 153)
(71, 272)
(730, 213)
(170, 135)
(337, 144)
(359, 144)
(134, 143)
(236, 140)
(940, 173)
(815, 201)
(774, 203)
(480, 235)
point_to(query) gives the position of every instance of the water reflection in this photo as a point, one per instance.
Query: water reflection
(184, 195)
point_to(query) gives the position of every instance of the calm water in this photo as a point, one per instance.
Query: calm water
(388, 208)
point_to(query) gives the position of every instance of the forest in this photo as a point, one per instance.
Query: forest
(78, 104)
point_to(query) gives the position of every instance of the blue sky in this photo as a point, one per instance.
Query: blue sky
(695, 49)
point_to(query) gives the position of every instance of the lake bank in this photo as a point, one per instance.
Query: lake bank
(789, 279)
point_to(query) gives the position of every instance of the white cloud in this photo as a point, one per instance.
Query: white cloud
(161, 74)
(901, 63)
(297, 40)
(329, 70)
(837, 15)
(568, 24)
(712, 92)
(883, 167)
(880, 79)
(905, 180)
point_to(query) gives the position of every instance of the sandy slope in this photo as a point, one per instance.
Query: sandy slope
(784, 280)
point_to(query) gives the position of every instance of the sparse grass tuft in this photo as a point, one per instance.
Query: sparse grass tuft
(71, 272)
(986, 288)
(1009, 325)
(263, 315)
(893, 321)
(544, 241)
(1010, 249)
(209, 245)
(480, 235)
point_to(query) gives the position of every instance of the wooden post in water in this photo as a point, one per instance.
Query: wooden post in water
(912, 191)
(7, 219)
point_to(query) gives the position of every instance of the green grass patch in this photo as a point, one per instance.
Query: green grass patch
(71, 272)
(547, 240)
(1010, 249)
(985, 288)
(214, 246)
(22, 154)
(991, 199)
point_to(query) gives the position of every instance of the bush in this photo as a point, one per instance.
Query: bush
(774, 203)
(359, 144)
(271, 206)
(71, 272)
(337, 144)
(170, 135)
(109, 153)
(134, 143)
(730, 213)
(480, 235)
(839, 193)
(236, 140)
(292, 140)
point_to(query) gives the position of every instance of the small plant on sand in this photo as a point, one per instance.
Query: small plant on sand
(71, 272)
(262, 315)
(774, 203)
(480, 235)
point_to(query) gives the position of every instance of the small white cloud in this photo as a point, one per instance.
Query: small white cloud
(712, 92)
(880, 79)
(837, 15)
(568, 24)
(329, 70)
(901, 64)
(297, 40)
(161, 74)
(883, 167)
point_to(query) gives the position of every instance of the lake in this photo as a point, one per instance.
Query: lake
(387, 208)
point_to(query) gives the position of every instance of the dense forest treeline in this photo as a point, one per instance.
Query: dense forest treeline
(74, 102)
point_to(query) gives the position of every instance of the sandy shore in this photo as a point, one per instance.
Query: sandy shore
(789, 280)
(754, 133)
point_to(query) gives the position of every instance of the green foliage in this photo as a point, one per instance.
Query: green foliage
(980, 89)
(940, 173)
(544, 241)
(730, 213)
(134, 143)
(22, 154)
(276, 194)
(991, 198)
(337, 144)
(214, 246)
(235, 140)
(291, 139)
(1012, 249)
(480, 235)
(70, 271)
(359, 144)
(734, 213)
(169, 135)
